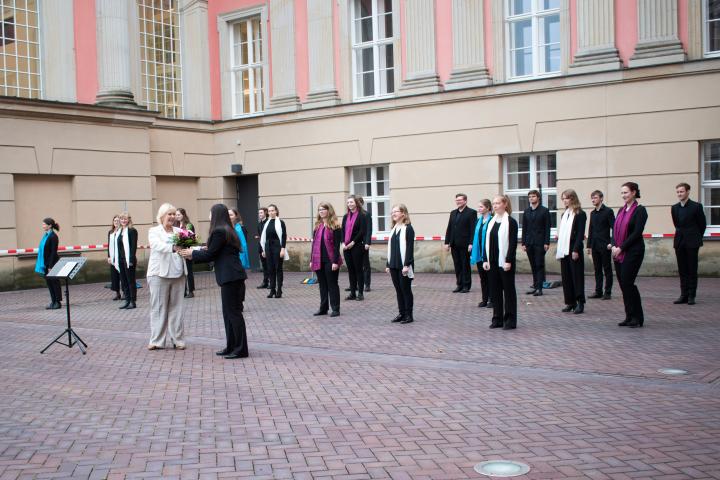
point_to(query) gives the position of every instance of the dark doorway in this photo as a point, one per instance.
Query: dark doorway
(247, 205)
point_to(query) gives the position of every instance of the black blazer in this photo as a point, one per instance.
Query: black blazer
(226, 257)
(271, 243)
(601, 223)
(359, 229)
(260, 226)
(409, 247)
(634, 242)
(50, 252)
(461, 227)
(690, 224)
(511, 255)
(577, 232)
(368, 227)
(132, 240)
(536, 226)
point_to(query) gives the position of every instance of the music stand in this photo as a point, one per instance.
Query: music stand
(67, 268)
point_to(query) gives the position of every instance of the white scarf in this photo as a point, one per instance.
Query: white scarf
(563, 243)
(112, 246)
(502, 237)
(278, 231)
(126, 247)
(402, 238)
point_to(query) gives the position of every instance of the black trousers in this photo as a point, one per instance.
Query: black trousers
(461, 262)
(602, 262)
(366, 267)
(53, 285)
(354, 263)
(127, 280)
(536, 256)
(274, 264)
(232, 295)
(263, 263)
(687, 260)
(329, 288)
(114, 280)
(573, 279)
(403, 290)
(190, 278)
(484, 283)
(627, 272)
(504, 296)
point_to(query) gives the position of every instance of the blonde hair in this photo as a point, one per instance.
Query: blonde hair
(163, 210)
(403, 209)
(332, 221)
(574, 200)
(506, 201)
(126, 215)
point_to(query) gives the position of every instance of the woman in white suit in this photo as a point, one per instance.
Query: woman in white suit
(166, 273)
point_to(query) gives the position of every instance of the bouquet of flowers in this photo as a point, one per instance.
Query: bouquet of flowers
(185, 239)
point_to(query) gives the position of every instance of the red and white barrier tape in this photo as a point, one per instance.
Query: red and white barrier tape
(380, 238)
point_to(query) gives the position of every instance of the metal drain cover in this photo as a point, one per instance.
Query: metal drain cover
(673, 371)
(501, 468)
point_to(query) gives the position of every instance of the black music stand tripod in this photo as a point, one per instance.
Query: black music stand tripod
(66, 268)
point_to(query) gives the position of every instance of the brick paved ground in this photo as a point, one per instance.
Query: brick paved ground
(358, 397)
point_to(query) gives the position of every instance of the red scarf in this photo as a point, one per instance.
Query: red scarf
(620, 229)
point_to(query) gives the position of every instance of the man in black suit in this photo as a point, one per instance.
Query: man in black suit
(690, 223)
(262, 220)
(602, 220)
(458, 240)
(536, 239)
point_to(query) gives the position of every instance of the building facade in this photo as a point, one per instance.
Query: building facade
(113, 105)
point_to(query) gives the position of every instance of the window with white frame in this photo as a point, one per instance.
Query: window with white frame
(373, 61)
(533, 38)
(160, 56)
(531, 172)
(20, 49)
(711, 182)
(247, 66)
(711, 27)
(373, 184)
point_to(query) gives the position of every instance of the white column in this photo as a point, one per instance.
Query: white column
(658, 40)
(321, 55)
(113, 55)
(282, 37)
(58, 44)
(196, 77)
(468, 26)
(420, 68)
(596, 37)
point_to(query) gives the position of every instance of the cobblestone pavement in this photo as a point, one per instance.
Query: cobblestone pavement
(354, 397)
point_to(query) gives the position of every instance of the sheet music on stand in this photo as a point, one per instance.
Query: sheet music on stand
(67, 267)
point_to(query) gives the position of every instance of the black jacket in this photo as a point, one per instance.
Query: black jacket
(260, 226)
(577, 232)
(409, 247)
(511, 255)
(359, 228)
(601, 224)
(536, 226)
(226, 257)
(634, 242)
(132, 238)
(273, 243)
(50, 252)
(690, 224)
(461, 227)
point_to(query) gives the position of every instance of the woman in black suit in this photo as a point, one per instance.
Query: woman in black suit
(500, 252)
(112, 242)
(223, 248)
(354, 225)
(47, 258)
(273, 240)
(401, 261)
(126, 260)
(571, 234)
(628, 252)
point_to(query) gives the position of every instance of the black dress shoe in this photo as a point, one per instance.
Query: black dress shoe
(496, 325)
(117, 297)
(691, 301)
(398, 318)
(262, 285)
(531, 292)
(278, 294)
(607, 296)
(335, 313)
(624, 323)
(457, 289)
(568, 308)
(190, 295)
(407, 319)
(222, 353)
(131, 306)
(634, 324)
(596, 295)
(360, 297)
(56, 306)
(368, 289)
(125, 305)
(482, 304)
(509, 327)
(271, 294)
(579, 308)
(233, 356)
(320, 312)
(351, 297)
(465, 290)
(681, 300)
(538, 293)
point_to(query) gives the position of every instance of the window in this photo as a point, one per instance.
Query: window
(372, 40)
(373, 184)
(711, 182)
(247, 67)
(160, 56)
(533, 37)
(711, 27)
(531, 172)
(20, 49)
